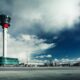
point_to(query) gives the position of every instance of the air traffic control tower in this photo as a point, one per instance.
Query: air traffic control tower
(4, 60)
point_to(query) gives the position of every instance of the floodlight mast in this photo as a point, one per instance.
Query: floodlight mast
(4, 22)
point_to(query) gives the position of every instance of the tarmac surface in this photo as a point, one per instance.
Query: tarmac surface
(48, 73)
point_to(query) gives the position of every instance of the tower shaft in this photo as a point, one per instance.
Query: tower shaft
(4, 42)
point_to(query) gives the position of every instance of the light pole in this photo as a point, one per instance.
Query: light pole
(4, 22)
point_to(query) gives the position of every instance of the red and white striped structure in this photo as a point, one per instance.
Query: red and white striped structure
(4, 22)
(5, 29)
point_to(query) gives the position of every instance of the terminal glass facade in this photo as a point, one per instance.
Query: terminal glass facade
(9, 61)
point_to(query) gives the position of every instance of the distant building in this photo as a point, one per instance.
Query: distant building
(76, 64)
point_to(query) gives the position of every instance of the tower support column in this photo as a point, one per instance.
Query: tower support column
(4, 42)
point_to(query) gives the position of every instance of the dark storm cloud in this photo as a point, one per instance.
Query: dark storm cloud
(6, 7)
(33, 16)
(50, 16)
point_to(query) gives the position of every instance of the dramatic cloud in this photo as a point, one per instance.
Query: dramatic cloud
(51, 16)
(33, 17)
(6, 7)
(43, 57)
(67, 60)
(23, 46)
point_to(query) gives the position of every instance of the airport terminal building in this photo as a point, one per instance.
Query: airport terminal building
(8, 61)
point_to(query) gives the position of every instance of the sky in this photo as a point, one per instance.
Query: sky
(42, 29)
